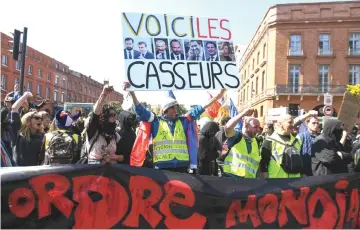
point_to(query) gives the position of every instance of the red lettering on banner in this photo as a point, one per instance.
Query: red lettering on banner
(329, 216)
(141, 206)
(172, 188)
(296, 206)
(105, 212)
(21, 210)
(198, 28)
(341, 201)
(226, 29)
(353, 212)
(268, 206)
(212, 27)
(243, 213)
(53, 196)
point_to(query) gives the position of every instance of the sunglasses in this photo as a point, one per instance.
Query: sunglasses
(112, 115)
(37, 118)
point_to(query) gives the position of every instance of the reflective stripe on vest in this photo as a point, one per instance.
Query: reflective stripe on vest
(275, 170)
(48, 137)
(240, 163)
(167, 147)
(356, 157)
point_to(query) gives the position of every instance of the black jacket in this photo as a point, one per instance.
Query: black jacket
(127, 135)
(324, 157)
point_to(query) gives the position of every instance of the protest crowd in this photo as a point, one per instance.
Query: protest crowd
(234, 147)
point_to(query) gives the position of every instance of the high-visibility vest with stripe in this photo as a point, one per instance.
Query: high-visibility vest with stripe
(48, 137)
(275, 170)
(167, 147)
(240, 163)
(357, 157)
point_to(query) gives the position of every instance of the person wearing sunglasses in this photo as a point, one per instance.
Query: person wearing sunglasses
(101, 139)
(27, 134)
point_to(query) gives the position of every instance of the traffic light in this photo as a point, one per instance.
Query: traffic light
(16, 45)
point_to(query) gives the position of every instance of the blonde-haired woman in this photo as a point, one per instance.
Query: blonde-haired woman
(27, 134)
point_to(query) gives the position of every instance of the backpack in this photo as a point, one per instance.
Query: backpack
(291, 162)
(62, 148)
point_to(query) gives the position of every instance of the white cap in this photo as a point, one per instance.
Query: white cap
(169, 102)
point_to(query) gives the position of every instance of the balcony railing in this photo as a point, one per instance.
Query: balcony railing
(325, 52)
(296, 52)
(354, 52)
(310, 89)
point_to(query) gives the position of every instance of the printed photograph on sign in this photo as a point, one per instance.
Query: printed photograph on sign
(166, 52)
(194, 50)
(226, 51)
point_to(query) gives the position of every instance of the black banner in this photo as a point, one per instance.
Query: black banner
(116, 196)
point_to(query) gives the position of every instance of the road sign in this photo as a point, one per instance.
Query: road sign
(328, 99)
(328, 111)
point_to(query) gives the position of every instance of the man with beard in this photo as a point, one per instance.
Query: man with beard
(176, 50)
(101, 142)
(195, 51)
(162, 51)
(174, 145)
(129, 52)
(327, 151)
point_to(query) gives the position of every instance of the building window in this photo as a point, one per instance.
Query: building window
(256, 85)
(261, 111)
(324, 44)
(295, 45)
(29, 86)
(30, 69)
(16, 81)
(264, 50)
(253, 64)
(62, 97)
(48, 76)
(64, 82)
(354, 74)
(85, 91)
(324, 78)
(69, 84)
(75, 86)
(294, 78)
(354, 44)
(39, 73)
(263, 81)
(4, 60)
(17, 65)
(56, 79)
(63, 69)
(3, 81)
(55, 95)
(294, 109)
(48, 93)
(80, 88)
(69, 97)
(38, 90)
(258, 58)
(57, 66)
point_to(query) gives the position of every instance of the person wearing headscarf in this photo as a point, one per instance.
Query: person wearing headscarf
(327, 151)
(127, 134)
(209, 148)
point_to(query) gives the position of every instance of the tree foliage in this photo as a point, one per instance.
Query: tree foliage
(354, 90)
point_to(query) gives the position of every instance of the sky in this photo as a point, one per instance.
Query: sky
(86, 34)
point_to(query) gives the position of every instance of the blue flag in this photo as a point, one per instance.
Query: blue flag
(233, 113)
(171, 94)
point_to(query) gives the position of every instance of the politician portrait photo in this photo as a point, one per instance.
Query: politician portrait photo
(162, 49)
(194, 50)
(145, 47)
(211, 51)
(176, 49)
(129, 51)
(226, 51)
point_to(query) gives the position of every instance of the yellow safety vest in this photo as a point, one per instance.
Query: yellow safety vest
(48, 137)
(240, 163)
(275, 170)
(167, 147)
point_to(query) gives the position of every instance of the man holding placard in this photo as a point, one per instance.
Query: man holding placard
(174, 143)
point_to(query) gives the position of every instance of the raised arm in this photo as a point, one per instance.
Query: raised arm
(99, 103)
(230, 125)
(212, 101)
(300, 119)
(16, 106)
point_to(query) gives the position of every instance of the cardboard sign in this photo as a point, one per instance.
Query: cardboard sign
(118, 196)
(349, 110)
(163, 52)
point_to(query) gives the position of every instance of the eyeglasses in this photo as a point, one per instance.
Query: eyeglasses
(37, 118)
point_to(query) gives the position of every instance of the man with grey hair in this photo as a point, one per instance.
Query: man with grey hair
(244, 157)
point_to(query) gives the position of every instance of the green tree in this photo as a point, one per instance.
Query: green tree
(182, 110)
